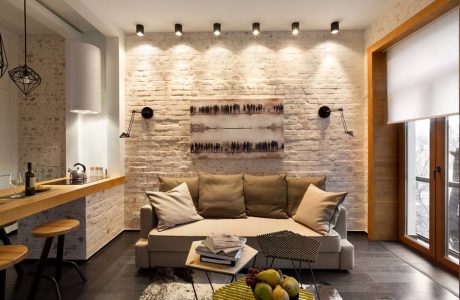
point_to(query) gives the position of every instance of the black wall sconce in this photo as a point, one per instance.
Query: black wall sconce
(325, 112)
(146, 112)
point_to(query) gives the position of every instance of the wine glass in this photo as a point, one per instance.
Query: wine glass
(15, 182)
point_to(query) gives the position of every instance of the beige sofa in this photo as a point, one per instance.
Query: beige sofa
(169, 248)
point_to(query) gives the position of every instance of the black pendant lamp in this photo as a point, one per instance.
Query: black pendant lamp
(3, 59)
(25, 77)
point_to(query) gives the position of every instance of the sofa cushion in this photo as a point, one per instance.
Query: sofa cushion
(173, 207)
(265, 196)
(296, 188)
(168, 183)
(179, 238)
(221, 196)
(318, 208)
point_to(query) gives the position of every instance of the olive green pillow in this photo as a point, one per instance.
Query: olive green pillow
(265, 196)
(296, 188)
(168, 183)
(221, 196)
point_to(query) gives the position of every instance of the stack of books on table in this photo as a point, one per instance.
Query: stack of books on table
(222, 249)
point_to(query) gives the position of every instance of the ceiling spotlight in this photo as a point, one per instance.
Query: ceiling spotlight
(295, 28)
(335, 27)
(140, 30)
(217, 29)
(178, 29)
(255, 28)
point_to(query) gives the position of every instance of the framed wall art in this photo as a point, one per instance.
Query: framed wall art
(237, 128)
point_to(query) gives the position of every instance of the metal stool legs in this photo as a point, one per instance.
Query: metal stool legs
(58, 267)
(39, 271)
(60, 261)
(2, 284)
(6, 241)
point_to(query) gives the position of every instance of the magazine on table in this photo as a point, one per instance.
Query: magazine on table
(226, 243)
(230, 256)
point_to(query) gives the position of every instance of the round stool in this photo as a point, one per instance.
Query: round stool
(6, 241)
(9, 256)
(49, 230)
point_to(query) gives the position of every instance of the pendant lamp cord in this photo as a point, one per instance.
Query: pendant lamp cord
(25, 34)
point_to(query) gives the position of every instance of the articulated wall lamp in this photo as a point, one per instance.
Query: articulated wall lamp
(325, 112)
(146, 112)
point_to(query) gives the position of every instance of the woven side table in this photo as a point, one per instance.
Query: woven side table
(290, 246)
(238, 290)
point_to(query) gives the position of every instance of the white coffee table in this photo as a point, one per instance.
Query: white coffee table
(193, 262)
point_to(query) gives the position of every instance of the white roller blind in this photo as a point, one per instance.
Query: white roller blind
(422, 72)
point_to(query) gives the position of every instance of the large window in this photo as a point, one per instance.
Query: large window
(431, 194)
(418, 180)
(451, 195)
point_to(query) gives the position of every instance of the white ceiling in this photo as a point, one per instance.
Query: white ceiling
(196, 15)
(12, 19)
(236, 15)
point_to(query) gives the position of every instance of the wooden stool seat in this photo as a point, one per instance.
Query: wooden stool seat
(9, 224)
(11, 255)
(55, 228)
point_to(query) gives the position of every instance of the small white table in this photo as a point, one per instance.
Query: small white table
(193, 262)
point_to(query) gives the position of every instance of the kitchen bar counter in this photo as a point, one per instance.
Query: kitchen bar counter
(16, 209)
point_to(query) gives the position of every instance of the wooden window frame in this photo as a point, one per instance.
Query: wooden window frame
(385, 184)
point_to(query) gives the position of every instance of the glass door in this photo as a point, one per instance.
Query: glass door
(450, 203)
(418, 191)
(430, 210)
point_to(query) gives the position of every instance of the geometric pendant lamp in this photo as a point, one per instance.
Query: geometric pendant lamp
(25, 78)
(3, 59)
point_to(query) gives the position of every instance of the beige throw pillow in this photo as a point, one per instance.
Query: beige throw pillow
(317, 209)
(173, 207)
(221, 196)
(296, 188)
(168, 183)
(265, 196)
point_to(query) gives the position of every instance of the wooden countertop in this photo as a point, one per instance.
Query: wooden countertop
(15, 209)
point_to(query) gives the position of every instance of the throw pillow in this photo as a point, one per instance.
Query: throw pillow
(221, 196)
(317, 209)
(173, 207)
(168, 183)
(296, 188)
(265, 196)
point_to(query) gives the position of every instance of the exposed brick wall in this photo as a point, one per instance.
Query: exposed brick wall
(397, 13)
(101, 220)
(41, 119)
(313, 69)
(104, 218)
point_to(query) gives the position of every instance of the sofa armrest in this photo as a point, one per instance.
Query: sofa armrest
(341, 224)
(148, 220)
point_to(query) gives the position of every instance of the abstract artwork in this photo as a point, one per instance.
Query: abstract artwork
(237, 128)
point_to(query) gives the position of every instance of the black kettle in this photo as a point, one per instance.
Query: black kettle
(78, 173)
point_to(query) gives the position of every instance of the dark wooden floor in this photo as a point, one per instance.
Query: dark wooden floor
(383, 270)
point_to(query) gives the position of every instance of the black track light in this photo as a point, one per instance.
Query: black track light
(335, 27)
(295, 28)
(140, 30)
(217, 29)
(255, 28)
(178, 29)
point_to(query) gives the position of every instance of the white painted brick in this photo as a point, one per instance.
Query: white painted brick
(308, 71)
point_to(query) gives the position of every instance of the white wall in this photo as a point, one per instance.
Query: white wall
(94, 139)
(8, 112)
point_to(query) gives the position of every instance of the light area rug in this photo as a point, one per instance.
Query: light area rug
(175, 284)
